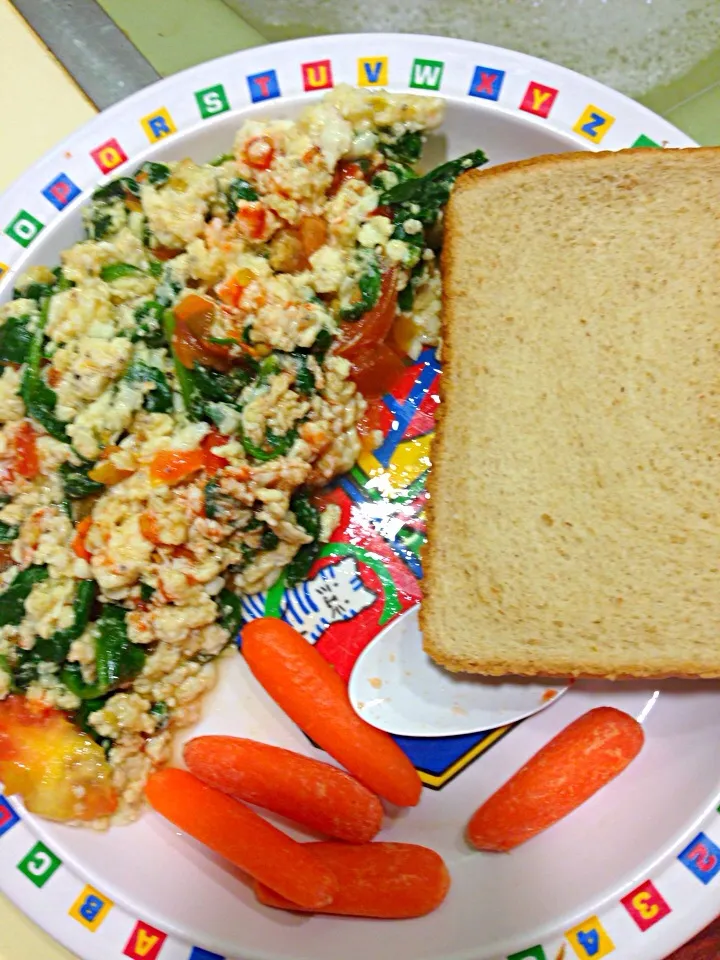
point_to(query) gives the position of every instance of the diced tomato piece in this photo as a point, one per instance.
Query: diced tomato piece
(184, 552)
(313, 234)
(214, 463)
(374, 325)
(174, 466)
(188, 349)
(196, 311)
(230, 291)
(165, 253)
(6, 560)
(370, 421)
(26, 461)
(149, 527)
(54, 376)
(345, 170)
(251, 217)
(381, 212)
(107, 473)
(60, 772)
(259, 153)
(78, 541)
(376, 369)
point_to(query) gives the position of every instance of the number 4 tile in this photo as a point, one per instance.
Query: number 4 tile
(590, 940)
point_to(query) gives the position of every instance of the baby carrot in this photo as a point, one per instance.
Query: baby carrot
(308, 791)
(307, 688)
(391, 881)
(561, 776)
(237, 833)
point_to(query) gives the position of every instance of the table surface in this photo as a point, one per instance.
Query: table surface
(46, 106)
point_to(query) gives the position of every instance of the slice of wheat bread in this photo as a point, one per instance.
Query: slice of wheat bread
(574, 515)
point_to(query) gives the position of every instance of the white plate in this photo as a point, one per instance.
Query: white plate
(397, 687)
(613, 876)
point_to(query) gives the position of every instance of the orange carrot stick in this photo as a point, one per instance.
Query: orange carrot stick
(307, 688)
(391, 881)
(308, 791)
(561, 776)
(237, 833)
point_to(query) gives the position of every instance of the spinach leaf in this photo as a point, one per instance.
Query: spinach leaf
(299, 566)
(160, 712)
(57, 646)
(25, 670)
(40, 403)
(192, 400)
(148, 317)
(275, 445)
(15, 339)
(218, 504)
(424, 197)
(117, 189)
(8, 532)
(35, 291)
(61, 281)
(39, 399)
(116, 271)
(322, 344)
(71, 676)
(401, 174)
(155, 268)
(304, 377)
(406, 148)
(247, 555)
(81, 719)
(239, 189)
(76, 482)
(156, 173)
(203, 385)
(12, 600)
(99, 223)
(369, 286)
(406, 297)
(214, 385)
(308, 517)
(231, 616)
(166, 292)
(146, 592)
(159, 399)
(306, 514)
(117, 659)
(269, 366)
(269, 539)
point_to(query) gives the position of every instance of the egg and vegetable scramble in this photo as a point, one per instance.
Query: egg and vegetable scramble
(171, 396)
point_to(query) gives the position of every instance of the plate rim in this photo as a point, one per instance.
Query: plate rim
(53, 894)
